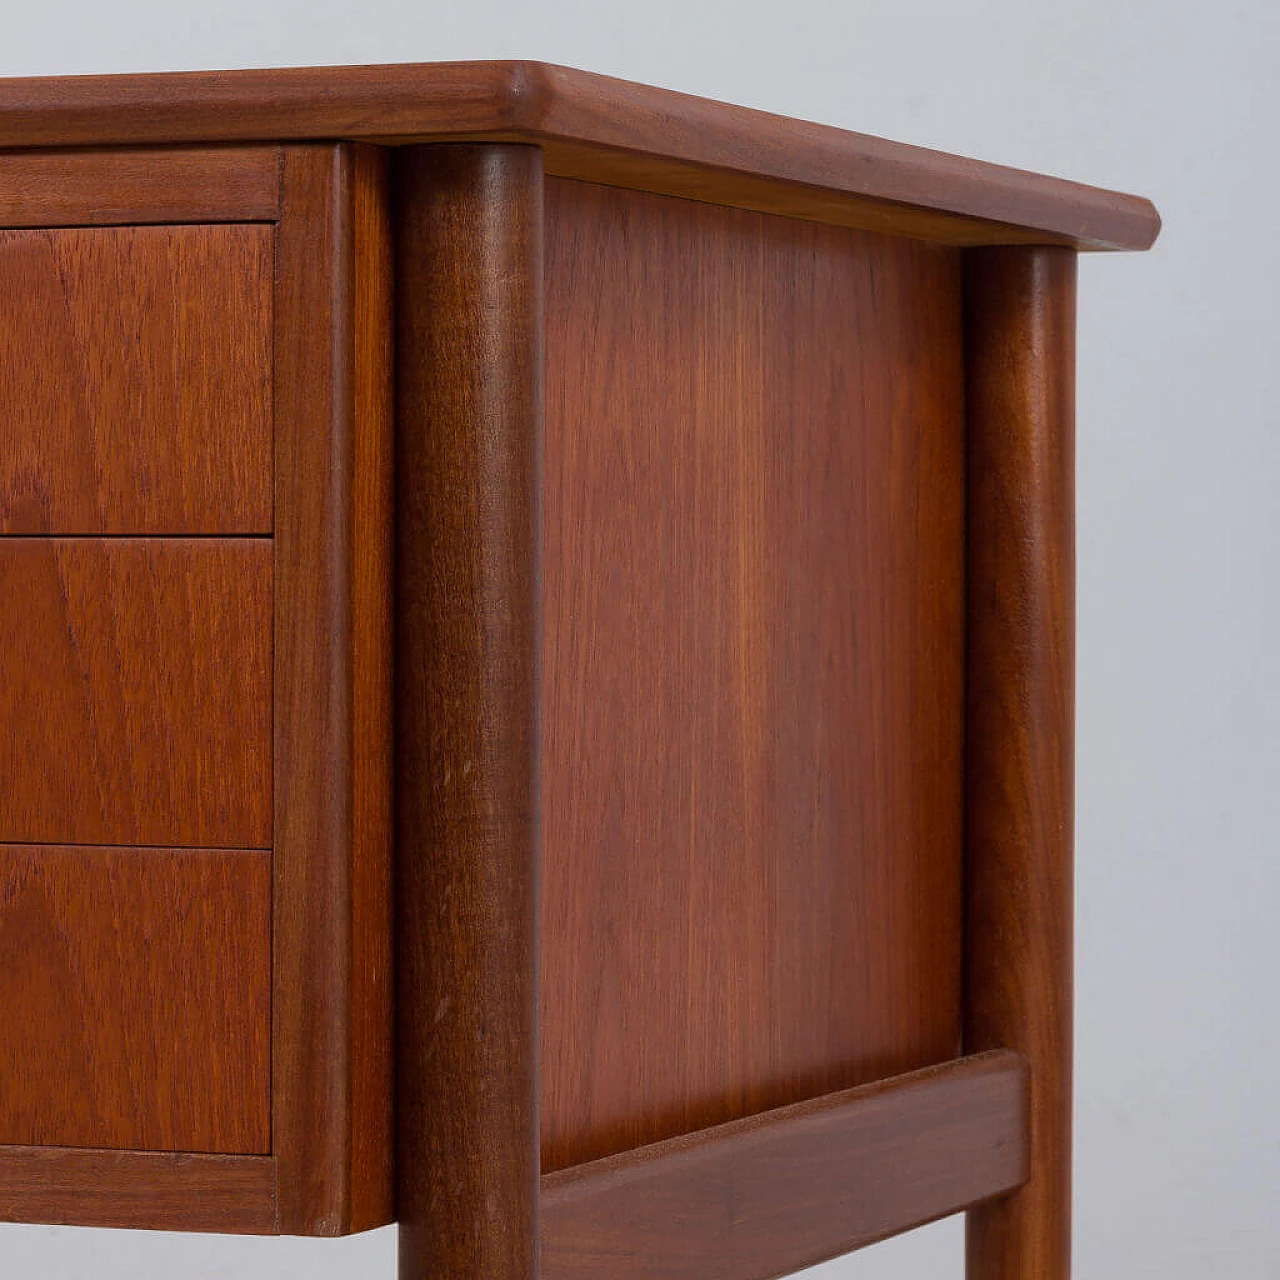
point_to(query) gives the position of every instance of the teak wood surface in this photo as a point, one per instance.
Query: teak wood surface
(139, 186)
(124, 1026)
(214, 689)
(590, 127)
(468, 417)
(674, 502)
(149, 409)
(137, 697)
(331, 1066)
(143, 1190)
(785, 1189)
(752, 726)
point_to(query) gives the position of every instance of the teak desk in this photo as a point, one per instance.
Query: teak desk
(536, 619)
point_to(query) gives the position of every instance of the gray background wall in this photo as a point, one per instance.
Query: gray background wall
(1178, 884)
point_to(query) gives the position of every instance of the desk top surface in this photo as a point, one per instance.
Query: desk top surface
(591, 127)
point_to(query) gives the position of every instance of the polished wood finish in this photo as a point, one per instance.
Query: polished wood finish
(136, 701)
(332, 971)
(146, 1190)
(143, 185)
(775, 1192)
(135, 380)
(372, 669)
(469, 241)
(124, 1026)
(1020, 330)
(593, 128)
(753, 665)
(776, 808)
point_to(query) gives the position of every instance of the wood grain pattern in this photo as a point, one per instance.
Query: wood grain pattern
(142, 1190)
(311, 1065)
(332, 976)
(469, 241)
(125, 1025)
(135, 380)
(753, 578)
(142, 185)
(1020, 330)
(594, 128)
(136, 703)
(770, 1194)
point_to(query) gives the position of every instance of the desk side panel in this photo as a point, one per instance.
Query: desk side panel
(752, 664)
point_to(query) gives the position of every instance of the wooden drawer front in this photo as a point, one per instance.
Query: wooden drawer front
(135, 380)
(136, 995)
(135, 706)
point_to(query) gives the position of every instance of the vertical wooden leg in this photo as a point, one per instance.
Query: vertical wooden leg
(1020, 336)
(469, 320)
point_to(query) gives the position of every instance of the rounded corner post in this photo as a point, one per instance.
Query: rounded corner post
(1020, 357)
(469, 248)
